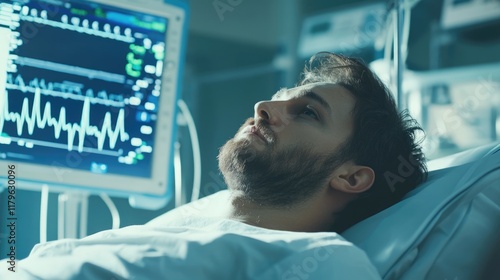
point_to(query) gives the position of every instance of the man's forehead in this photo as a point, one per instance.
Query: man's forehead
(293, 92)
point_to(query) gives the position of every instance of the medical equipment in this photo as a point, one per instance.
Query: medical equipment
(457, 14)
(88, 102)
(344, 31)
(89, 92)
(457, 106)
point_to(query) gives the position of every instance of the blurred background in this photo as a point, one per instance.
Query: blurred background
(242, 51)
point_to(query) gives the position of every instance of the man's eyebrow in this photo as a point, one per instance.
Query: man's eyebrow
(307, 94)
(316, 97)
(279, 93)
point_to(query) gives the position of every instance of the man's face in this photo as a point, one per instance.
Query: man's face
(289, 149)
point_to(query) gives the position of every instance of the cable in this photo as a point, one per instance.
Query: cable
(44, 203)
(115, 215)
(195, 143)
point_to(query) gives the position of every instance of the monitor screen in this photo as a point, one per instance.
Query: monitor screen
(88, 92)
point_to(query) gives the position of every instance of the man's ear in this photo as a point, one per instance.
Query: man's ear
(351, 178)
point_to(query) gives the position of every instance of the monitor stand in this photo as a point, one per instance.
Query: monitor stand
(72, 213)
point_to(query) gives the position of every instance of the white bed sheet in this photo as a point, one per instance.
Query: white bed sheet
(196, 248)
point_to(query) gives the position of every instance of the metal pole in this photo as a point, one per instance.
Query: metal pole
(398, 58)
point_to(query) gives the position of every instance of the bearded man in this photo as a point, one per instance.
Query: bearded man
(323, 155)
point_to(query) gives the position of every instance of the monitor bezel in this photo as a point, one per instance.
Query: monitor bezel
(61, 177)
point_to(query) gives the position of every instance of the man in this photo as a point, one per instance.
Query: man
(315, 159)
(324, 155)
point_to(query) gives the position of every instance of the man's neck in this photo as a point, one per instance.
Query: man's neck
(298, 217)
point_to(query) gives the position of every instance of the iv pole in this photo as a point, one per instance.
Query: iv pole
(398, 58)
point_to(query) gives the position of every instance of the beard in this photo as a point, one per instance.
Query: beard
(272, 176)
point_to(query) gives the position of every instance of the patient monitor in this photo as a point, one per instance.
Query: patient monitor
(88, 93)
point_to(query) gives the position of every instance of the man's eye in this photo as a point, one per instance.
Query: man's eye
(310, 112)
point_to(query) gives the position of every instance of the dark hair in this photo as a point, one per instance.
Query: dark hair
(383, 138)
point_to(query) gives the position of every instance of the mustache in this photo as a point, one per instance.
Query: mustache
(263, 127)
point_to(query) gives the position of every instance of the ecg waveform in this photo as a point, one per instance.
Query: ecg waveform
(66, 90)
(42, 119)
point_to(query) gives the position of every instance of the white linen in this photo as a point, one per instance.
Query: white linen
(196, 248)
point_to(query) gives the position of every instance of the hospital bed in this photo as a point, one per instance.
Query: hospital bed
(447, 228)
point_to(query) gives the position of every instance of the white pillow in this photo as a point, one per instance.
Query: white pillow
(443, 229)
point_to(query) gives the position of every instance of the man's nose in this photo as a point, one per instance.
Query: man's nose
(273, 112)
